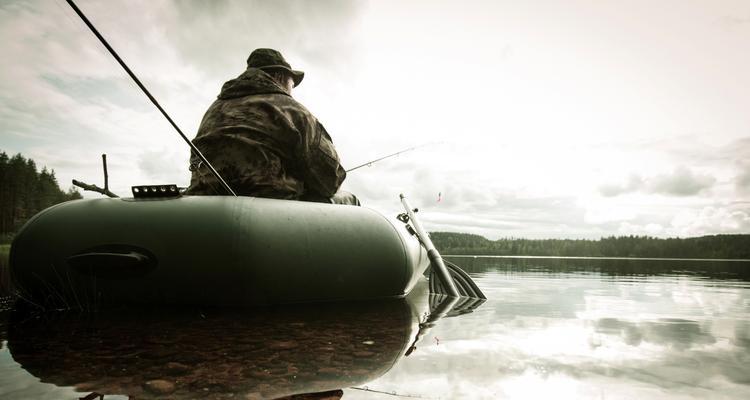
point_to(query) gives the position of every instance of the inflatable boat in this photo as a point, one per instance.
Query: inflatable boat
(211, 250)
(161, 248)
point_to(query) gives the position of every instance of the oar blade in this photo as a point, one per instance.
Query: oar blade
(465, 285)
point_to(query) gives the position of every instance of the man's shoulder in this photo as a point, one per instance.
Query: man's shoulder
(283, 102)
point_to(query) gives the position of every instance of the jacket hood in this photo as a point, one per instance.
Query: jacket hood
(252, 81)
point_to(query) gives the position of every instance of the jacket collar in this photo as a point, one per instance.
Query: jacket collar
(252, 81)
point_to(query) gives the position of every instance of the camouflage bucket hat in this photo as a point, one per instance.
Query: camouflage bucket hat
(270, 59)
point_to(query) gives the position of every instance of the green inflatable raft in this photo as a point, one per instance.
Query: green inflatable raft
(211, 250)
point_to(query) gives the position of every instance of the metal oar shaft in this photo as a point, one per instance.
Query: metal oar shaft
(148, 94)
(435, 259)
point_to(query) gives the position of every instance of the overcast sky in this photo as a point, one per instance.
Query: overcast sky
(550, 119)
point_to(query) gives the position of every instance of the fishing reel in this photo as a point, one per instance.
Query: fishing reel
(404, 217)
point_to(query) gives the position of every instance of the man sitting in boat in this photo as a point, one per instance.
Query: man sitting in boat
(263, 142)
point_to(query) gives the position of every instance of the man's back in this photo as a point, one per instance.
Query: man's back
(265, 144)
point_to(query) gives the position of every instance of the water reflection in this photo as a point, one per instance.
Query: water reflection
(672, 332)
(211, 354)
(559, 329)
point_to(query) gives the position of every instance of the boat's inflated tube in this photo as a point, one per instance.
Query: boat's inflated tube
(211, 250)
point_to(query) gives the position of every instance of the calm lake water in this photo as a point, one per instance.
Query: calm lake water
(552, 328)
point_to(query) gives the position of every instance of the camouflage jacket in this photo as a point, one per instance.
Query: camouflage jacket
(264, 144)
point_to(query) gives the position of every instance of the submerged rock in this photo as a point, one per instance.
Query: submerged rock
(159, 386)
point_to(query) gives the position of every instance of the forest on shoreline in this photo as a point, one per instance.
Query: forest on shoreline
(714, 246)
(24, 191)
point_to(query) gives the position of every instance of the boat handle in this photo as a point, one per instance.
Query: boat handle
(131, 256)
(113, 262)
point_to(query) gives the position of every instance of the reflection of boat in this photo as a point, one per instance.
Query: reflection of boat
(212, 250)
(215, 353)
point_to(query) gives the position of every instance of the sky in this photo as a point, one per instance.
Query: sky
(543, 119)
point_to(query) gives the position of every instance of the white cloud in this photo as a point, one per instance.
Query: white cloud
(742, 180)
(713, 220)
(650, 229)
(634, 184)
(162, 166)
(681, 182)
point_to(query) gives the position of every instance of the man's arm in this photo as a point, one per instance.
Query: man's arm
(321, 170)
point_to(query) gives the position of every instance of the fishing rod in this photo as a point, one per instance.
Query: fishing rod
(367, 164)
(150, 97)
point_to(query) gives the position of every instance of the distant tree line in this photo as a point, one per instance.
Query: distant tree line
(716, 246)
(24, 191)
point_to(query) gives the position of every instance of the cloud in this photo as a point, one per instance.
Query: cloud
(680, 182)
(511, 215)
(742, 180)
(320, 34)
(686, 220)
(647, 228)
(161, 166)
(734, 22)
(634, 183)
(736, 150)
(734, 218)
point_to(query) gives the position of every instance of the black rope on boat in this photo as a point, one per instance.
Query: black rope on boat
(150, 97)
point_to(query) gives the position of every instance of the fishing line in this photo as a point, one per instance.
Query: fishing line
(367, 164)
(150, 97)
